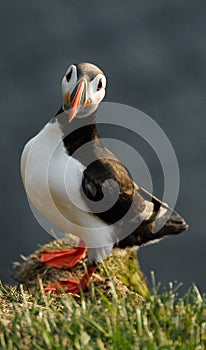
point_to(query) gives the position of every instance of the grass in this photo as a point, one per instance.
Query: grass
(64, 322)
(102, 318)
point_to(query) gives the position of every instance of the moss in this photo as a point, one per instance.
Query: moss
(123, 265)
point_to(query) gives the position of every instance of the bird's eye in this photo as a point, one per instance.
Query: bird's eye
(69, 75)
(99, 85)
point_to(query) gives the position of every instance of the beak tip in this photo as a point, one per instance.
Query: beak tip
(72, 114)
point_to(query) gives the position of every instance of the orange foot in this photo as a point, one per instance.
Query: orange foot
(64, 259)
(72, 286)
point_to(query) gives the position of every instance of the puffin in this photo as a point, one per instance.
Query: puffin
(80, 186)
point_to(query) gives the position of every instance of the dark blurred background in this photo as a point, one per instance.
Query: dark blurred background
(154, 56)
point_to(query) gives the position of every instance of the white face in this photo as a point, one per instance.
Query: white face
(92, 92)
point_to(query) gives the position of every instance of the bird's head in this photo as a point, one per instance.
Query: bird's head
(83, 88)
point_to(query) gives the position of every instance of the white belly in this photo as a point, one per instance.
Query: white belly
(53, 181)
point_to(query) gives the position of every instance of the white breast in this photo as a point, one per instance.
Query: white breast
(52, 180)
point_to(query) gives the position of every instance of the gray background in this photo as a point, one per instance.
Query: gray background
(154, 54)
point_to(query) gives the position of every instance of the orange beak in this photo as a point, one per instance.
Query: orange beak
(77, 100)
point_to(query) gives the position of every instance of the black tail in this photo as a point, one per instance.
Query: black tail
(162, 227)
(150, 232)
(173, 226)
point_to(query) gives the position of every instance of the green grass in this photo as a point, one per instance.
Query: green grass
(160, 321)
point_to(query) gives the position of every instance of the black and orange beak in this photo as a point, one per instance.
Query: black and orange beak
(77, 99)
